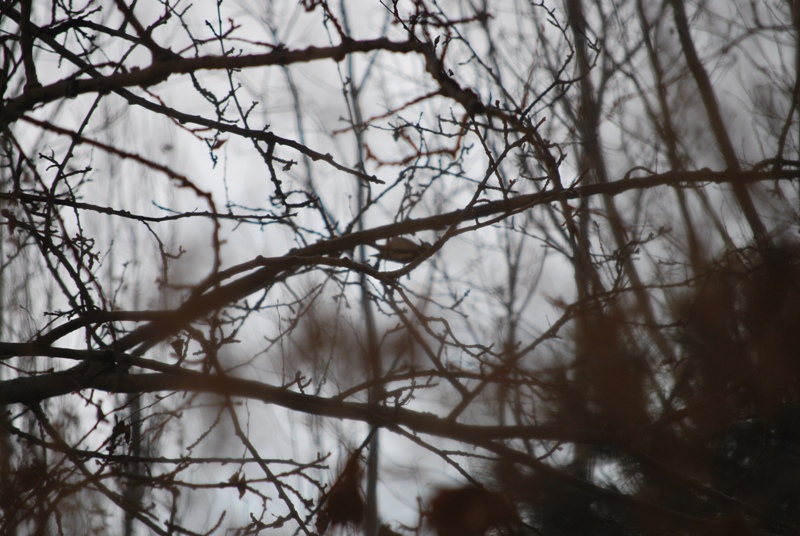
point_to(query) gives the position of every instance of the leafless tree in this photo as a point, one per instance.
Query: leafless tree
(400, 267)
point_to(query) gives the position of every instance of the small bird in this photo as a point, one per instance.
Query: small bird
(400, 249)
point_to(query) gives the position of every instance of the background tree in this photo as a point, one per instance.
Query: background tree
(451, 267)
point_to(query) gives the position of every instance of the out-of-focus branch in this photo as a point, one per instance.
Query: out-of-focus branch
(716, 122)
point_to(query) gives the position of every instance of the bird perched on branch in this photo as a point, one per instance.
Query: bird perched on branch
(400, 249)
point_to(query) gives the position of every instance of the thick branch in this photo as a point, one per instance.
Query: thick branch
(107, 377)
